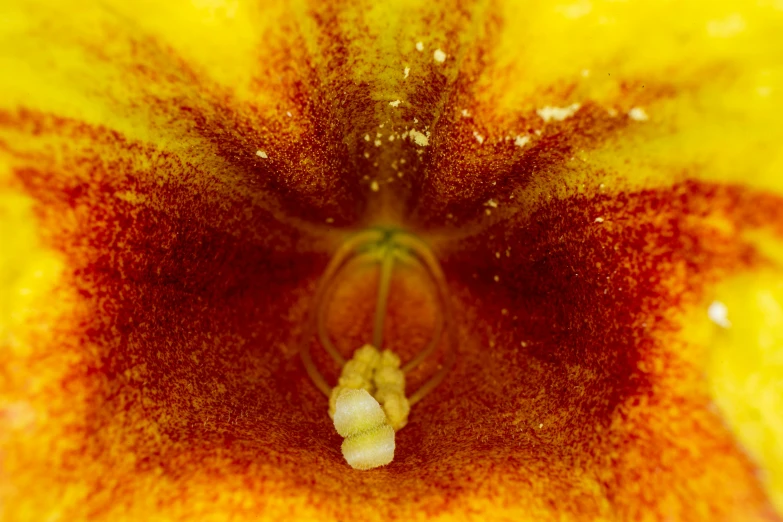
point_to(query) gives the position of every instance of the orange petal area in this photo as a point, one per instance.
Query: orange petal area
(591, 311)
(168, 180)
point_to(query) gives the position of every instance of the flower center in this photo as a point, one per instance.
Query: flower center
(410, 322)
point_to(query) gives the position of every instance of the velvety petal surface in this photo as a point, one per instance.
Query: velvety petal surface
(600, 180)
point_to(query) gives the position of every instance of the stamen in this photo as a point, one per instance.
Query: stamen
(345, 250)
(375, 373)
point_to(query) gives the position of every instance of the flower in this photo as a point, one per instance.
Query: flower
(600, 181)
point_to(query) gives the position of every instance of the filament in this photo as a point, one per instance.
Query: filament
(337, 260)
(432, 265)
(384, 283)
(328, 294)
(385, 248)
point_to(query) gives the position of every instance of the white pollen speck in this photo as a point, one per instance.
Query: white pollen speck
(497, 279)
(585, 73)
(419, 138)
(558, 113)
(395, 103)
(488, 212)
(497, 255)
(391, 137)
(374, 186)
(599, 220)
(439, 56)
(367, 155)
(377, 143)
(719, 314)
(465, 113)
(406, 72)
(521, 141)
(261, 154)
(420, 46)
(491, 203)
(289, 114)
(366, 137)
(540, 426)
(726, 27)
(479, 137)
(638, 114)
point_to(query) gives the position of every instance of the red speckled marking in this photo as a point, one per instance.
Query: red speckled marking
(579, 400)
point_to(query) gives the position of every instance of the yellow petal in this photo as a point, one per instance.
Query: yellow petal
(591, 174)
